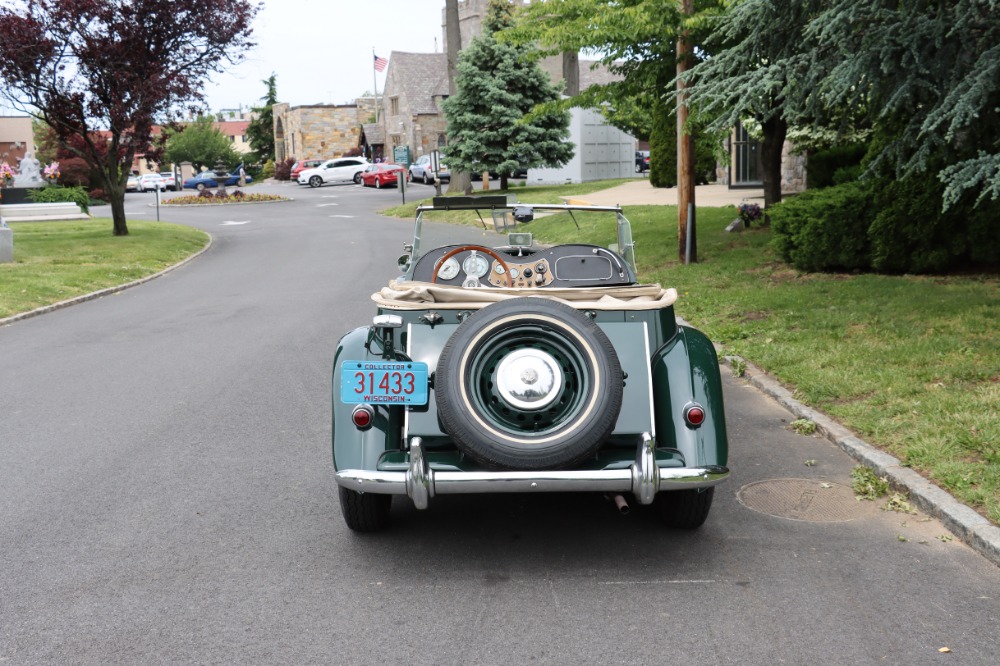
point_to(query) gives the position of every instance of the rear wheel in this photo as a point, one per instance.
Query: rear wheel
(200, 186)
(684, 509)
(315, 181)
(427, 181)
(364, 512)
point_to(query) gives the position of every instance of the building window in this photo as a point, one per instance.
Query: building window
(442, 141)
(394, 106)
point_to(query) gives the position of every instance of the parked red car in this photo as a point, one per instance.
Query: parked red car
(383, 175)
(302, 165)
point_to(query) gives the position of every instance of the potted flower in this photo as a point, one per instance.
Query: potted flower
(6, 175)
(749, 212)
(51, 173)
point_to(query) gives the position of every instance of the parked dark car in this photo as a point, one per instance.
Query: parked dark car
(516, 367)
(641, 161)
(208, 179)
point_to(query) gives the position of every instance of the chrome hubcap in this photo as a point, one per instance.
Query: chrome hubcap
(528, 379)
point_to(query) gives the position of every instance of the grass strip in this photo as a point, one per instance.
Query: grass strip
(54, 261)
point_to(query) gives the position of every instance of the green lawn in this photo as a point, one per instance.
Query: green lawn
(54, 261)
(912, 364)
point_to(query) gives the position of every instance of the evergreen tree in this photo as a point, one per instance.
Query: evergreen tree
(928, 72)
(497, 86)
(762, 67)
(260, 131)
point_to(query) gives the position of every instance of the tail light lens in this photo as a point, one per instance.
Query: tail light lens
(363, 416)
(694, 415)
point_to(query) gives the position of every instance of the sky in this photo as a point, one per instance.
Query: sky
(321, 50)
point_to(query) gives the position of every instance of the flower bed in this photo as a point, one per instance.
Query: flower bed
(209, 197)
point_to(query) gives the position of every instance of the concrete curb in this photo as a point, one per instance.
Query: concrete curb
(103, 292)
(966, 524)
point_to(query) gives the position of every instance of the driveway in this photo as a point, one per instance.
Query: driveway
(167, 495)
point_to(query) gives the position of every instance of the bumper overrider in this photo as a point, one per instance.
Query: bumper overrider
(644, 478)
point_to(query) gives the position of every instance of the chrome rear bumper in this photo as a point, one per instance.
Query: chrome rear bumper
(644, 478)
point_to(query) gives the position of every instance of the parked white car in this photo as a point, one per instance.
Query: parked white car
(151, 181)
(170, 180)
(339, 170)
(421, 170)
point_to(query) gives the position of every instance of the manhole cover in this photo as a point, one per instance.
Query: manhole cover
(802, 499)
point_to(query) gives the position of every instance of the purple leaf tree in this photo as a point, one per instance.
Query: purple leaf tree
(102, 73)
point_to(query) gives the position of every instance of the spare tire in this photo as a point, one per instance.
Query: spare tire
(528, 383)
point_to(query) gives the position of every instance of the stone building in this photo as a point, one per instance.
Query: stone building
(319, 131)
(16, 139)
(415, 86)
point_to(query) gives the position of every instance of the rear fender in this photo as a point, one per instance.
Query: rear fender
(686, 370)
(353, 448)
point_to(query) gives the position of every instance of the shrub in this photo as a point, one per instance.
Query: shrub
(283, 169)
(74, 171)
(99, 194)
(56, 194)
(823, 165)
(911, 234)
(268, 170)
(206, 194)
(825, 229)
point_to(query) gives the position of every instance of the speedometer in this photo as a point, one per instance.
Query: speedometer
(476, 265)
(449, 269)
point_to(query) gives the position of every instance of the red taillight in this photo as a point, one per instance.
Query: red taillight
(362, 416)
(694, 415)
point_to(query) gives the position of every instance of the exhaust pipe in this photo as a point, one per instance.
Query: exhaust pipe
(620, 503)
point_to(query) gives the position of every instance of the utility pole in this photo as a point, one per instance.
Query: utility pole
(687, 249)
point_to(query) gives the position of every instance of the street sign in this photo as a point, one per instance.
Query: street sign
(401, 155)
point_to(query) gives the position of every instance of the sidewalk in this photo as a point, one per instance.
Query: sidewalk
(640, 193)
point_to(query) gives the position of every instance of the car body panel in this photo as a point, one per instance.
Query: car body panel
(208, 179)
(151, 181)
(383, 175)
(302, 165)
(338, 170)
(421, 170)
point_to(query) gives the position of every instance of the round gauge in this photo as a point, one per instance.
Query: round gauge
(449, 269)
(476, 265)
(514, 272)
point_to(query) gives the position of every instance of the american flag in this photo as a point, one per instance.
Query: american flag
(380, 63)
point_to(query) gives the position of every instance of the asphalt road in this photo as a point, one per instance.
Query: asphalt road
(167, 495)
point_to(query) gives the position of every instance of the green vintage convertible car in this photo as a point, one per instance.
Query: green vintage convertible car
(522, 368)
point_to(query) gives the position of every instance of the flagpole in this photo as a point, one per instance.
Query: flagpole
(375, 84)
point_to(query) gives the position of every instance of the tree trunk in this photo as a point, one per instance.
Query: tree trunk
(460, 180)
(113, 180)
(775, 130)
(503, 182)
(685, 151)
(571, 73)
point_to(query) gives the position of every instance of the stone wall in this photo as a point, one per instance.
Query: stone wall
(320, 131)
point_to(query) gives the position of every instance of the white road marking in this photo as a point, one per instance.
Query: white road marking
(232, 222)
(347, 216)
(325, 205)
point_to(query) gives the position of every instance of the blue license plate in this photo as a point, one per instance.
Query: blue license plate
(383, 382)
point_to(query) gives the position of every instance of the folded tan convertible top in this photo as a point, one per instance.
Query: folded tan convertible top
(405, 295)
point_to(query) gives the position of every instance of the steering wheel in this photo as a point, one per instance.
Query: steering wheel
(478, 248)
